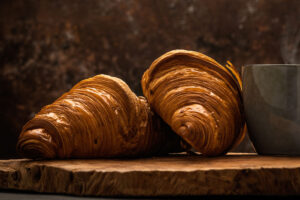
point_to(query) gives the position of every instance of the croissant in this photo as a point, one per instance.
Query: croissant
(98, 117)
(199, 98)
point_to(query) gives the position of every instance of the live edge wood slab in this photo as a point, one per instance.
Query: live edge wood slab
(233, 174)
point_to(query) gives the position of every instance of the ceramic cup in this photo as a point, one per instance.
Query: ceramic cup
(271, 95)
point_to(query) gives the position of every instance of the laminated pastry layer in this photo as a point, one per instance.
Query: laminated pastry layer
(199, 98)
(98, 117)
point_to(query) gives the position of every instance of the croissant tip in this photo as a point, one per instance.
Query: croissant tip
(186, 132)
(36, 143)
(183, 131)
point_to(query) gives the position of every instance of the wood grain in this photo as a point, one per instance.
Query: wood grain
(180, 174)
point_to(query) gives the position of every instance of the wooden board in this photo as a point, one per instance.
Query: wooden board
(235, 174)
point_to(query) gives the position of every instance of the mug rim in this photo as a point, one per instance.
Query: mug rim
(272, 65)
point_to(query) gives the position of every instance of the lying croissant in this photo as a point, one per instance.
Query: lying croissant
(199, 98)
(98, 117)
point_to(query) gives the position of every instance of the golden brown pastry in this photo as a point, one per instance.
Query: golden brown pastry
(98, 117)
(199, 98)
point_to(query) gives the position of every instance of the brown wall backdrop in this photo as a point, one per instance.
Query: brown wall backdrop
(48, 46)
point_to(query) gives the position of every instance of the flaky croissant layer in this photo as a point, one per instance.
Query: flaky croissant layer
(199, 98)
(98, 117)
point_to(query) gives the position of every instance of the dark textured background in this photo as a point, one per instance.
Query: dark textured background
(48, 46)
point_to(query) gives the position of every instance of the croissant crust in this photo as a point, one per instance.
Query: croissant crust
(98, 117)
(199, 98)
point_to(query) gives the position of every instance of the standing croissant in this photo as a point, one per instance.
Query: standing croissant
(199, 98)
(98, 117)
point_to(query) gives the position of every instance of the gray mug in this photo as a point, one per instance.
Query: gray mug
(271, 97)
